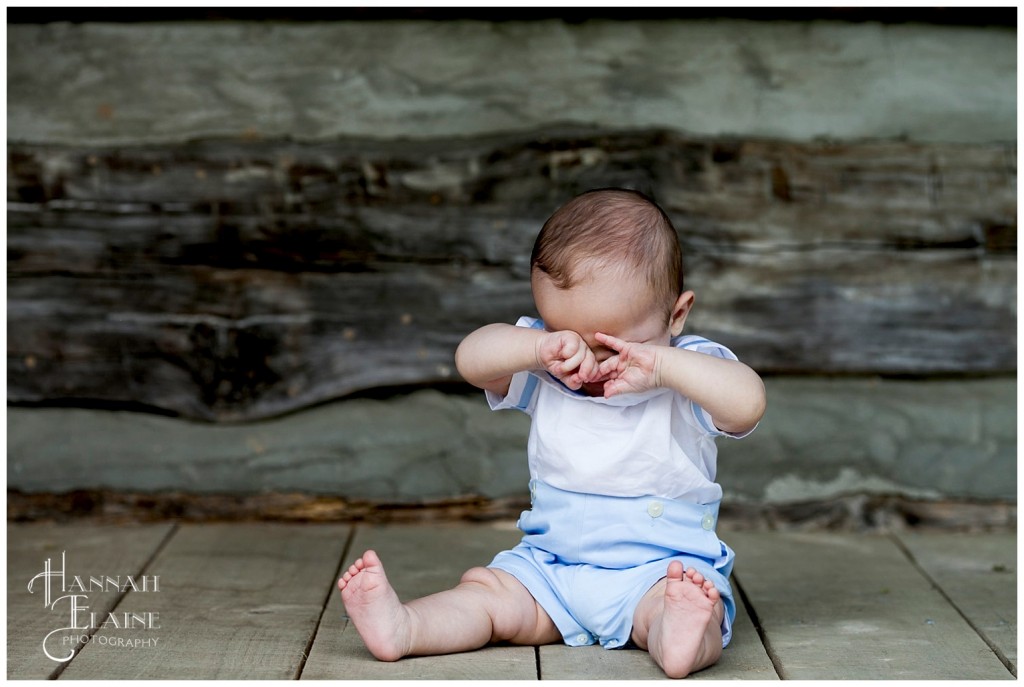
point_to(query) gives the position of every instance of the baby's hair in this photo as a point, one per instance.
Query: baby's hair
(609, 225)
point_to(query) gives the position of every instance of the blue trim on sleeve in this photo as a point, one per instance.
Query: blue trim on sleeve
(698, 412)
(696, 342)
(527, 395)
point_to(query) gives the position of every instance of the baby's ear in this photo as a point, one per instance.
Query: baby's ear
(680, 310)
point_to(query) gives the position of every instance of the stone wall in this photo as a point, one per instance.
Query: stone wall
(819, 439)
(228, 221)
(100, 84)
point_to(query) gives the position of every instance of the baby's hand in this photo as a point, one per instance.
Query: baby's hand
(566, 356)
(635, 368)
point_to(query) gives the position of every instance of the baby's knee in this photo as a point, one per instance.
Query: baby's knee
(511, 608)
(482, 576)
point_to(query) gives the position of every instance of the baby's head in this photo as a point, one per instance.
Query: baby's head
(614, 231)
(610, 257)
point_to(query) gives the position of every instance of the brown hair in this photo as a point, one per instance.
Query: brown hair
(608, 225)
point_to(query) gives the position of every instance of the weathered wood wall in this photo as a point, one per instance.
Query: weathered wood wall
(243, 279)
(235, 219)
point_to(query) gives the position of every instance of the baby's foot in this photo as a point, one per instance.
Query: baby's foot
(680, 646)
(372, 605)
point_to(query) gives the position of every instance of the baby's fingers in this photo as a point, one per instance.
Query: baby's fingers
(615, 387)
(610, 341)
(589, 368)
(609, 366)
(573, 359)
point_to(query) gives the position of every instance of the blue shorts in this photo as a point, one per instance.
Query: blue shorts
(589, 559)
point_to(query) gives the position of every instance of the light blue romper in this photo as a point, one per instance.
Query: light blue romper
(588, 559)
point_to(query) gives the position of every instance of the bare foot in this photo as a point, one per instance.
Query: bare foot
(684, 640)
(372, 605)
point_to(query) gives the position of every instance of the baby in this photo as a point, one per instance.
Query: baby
(619, 545)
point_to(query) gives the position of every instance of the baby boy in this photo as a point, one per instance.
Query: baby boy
(619, 545)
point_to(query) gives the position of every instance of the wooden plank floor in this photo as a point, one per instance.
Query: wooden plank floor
(257, 600)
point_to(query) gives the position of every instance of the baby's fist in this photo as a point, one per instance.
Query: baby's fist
(567, 357)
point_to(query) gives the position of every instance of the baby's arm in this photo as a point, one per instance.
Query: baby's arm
(489, 357)
(729, 390)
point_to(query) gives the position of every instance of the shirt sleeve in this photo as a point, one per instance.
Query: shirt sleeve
(703, 417)
(522, 390)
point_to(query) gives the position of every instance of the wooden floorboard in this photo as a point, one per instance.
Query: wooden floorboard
(248, 601)
(978, 573)
(840, 606)
(235, 601)
(89, 550)
(420, 560)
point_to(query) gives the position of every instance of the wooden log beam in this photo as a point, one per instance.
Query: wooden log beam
(237, 279)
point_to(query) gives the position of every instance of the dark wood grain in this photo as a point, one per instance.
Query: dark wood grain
(242, 279)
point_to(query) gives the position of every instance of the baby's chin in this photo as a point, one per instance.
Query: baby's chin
(593, 388)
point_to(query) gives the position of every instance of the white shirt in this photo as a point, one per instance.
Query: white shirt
(658, 443)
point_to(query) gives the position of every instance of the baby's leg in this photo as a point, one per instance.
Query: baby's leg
(679, 621)
(488, 605)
